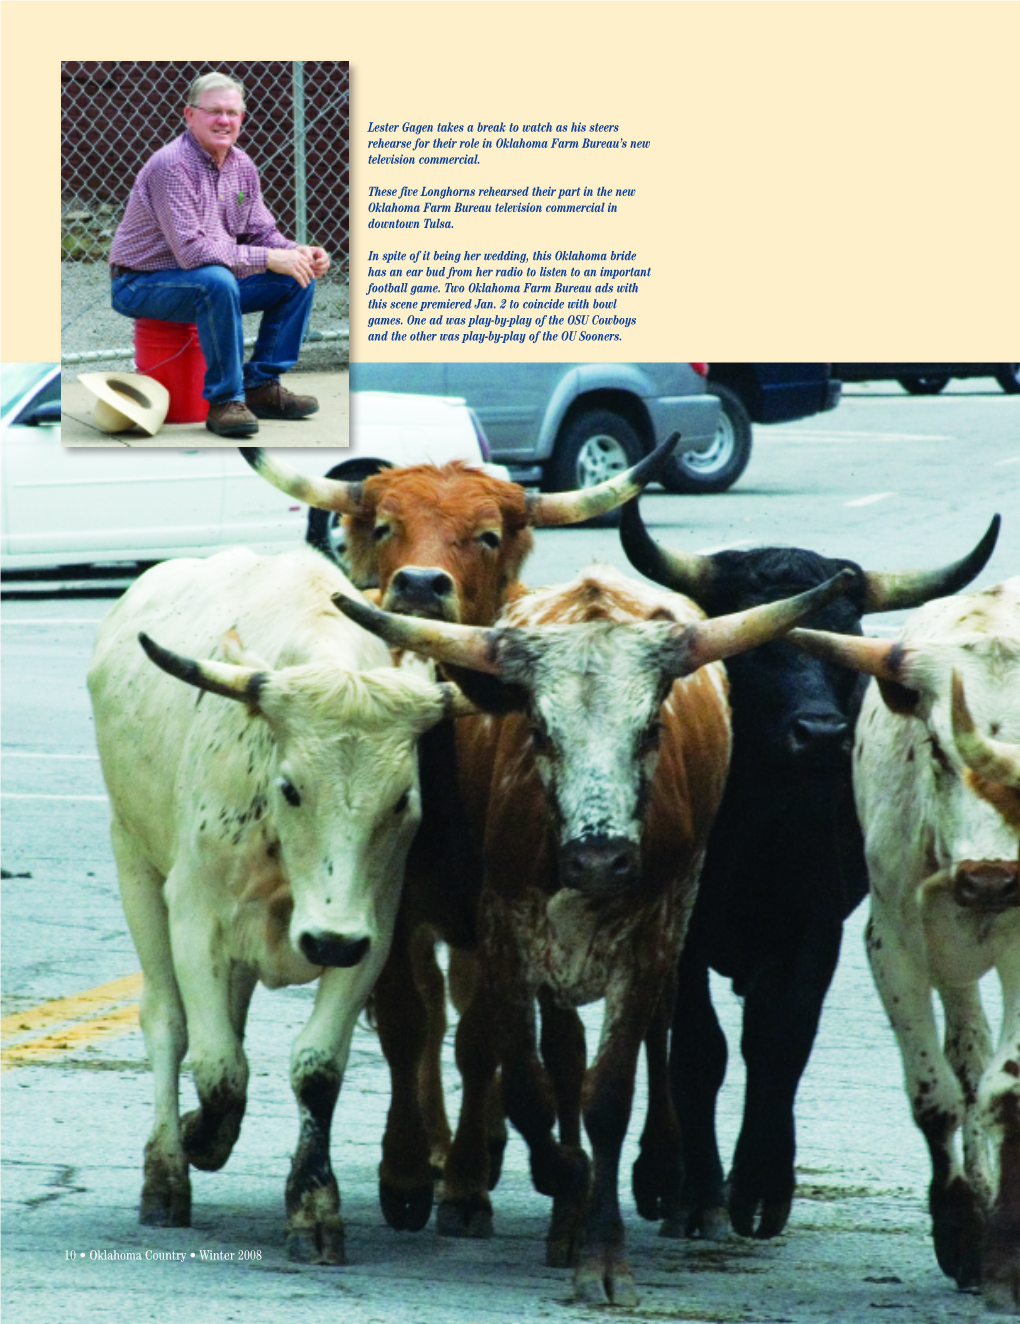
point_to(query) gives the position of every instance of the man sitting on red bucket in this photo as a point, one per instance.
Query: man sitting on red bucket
(198, 244)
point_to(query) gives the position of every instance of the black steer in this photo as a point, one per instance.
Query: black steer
(785, 867)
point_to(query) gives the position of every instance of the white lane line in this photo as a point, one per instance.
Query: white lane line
(869, 500)
(18, 795)
(30, 754)
(809, 434)
(1013, 459)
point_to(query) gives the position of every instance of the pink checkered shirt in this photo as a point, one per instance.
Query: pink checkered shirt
(185, 212)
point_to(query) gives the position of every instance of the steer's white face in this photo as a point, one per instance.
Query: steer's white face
(967, 825)
(304, 812)
(344, 793)
(595, 691)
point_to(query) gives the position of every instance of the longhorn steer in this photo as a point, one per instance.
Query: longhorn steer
(446, 543)
(942, 845)
(590, 805)
(260, 839)
(785, 867)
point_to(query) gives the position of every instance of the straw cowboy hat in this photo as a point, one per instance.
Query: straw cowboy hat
(126, 400)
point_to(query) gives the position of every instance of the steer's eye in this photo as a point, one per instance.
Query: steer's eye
(380, 532)
(539, 740)
(402, 803)
(290, 792)
(491, 539)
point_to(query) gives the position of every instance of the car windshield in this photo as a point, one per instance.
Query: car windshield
(18, 378)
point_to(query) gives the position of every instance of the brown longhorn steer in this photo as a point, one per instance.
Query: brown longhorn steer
(590, 804)
(445, 543)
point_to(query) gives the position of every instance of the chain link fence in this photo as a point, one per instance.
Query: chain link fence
(116, 113)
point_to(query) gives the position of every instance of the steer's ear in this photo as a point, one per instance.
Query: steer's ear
(487, 692)
(899, 699)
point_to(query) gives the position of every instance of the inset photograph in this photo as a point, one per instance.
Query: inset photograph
(204, 253)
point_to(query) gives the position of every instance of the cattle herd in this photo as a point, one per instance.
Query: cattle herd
(596, 790)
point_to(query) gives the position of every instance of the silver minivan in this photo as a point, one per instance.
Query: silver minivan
(569, 425)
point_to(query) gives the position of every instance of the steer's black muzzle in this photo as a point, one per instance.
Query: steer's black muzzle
(818, 740)
(333, 949)
(414, 591)
(600, 865)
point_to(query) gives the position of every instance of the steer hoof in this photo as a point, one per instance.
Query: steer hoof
(957, 1231)
(467, 1217)
(322, 1244)
(166, 1191)
(744, 1208)
(1000, 1284)
(656, 1185)
(406, 1210)
(604, 1281)
(209, 1138)
(710, 1224)
(165, 1208)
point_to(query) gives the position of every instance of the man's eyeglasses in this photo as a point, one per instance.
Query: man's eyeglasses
(215, 112)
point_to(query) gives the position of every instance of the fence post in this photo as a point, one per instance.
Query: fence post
(300, 197)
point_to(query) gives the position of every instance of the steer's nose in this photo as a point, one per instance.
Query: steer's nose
(991, 885)
(817, 738)
(334, 949)
(600, 864)
(414, 591)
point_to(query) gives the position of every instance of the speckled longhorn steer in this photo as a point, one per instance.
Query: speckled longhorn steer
(443, 542)
(938, 793)
(259, 839)
(590, 804)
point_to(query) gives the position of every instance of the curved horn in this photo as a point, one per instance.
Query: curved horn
(554, 508)
(994, 759)
(469, 646)
(682, 572)
(323, 493)
(722, 636)
(243, 683)
(875, 657)
(890, 591)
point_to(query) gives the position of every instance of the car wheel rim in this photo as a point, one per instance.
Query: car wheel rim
(718, 454)
(599, 459)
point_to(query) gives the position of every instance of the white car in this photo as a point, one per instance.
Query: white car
(71, 506)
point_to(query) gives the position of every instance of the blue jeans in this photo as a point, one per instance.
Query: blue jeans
(214, 299)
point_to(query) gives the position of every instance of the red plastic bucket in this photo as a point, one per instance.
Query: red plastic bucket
(170, 353)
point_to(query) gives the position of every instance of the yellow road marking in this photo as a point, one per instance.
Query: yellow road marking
(94, 1014)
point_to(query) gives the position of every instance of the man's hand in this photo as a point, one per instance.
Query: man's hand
(293, 262)
(318, 257)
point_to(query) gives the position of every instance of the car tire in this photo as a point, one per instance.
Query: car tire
(593, 447)
(721, 465)
(924, 385)
(323, 528)
(1008, 378)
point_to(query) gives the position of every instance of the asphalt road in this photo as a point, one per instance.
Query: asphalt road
(889, 480)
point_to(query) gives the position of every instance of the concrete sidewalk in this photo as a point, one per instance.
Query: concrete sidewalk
(329, 427)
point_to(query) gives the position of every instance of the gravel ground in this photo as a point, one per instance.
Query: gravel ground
(89, 323)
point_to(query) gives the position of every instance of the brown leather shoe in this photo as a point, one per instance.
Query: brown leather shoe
(271, 400)
(232, 418)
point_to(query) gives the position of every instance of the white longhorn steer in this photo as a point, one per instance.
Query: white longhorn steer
(936, 780)
(258, 839)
